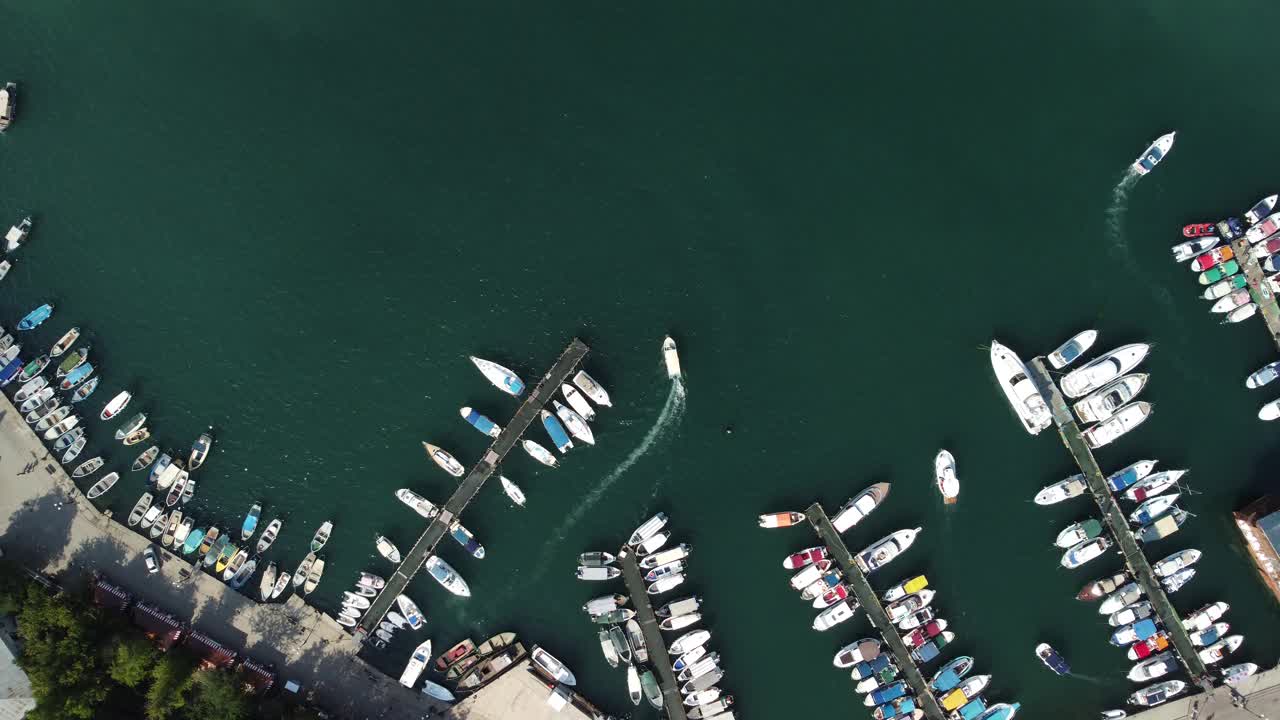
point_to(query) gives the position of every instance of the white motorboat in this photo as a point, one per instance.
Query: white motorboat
(1206, 616)
(1013, 378)
(1130, 615)
(1109, 367)
(410, 611)
(1102, 403)
(355, 600)
(1151, 509)
(502, 378)
(553, 667)
(647, 529)
(665, 584)
(1175, 562)
(1154, 667)
(652, 544)
(17, 234)
(40, 397)
(103, 485)
(370, 580)
(578, 402)
(1263, 229)
(1240, 314)
(1084, 552)
(417, 663)
(884, 550)
(448, 578)
(833, 616)
(690, 640)
(1218, 651)
(856, 652)
(1236, 673)
(513, 491)
(577, 425)
(1260, 209)
(1153, 154)
(633, 685)
(1125, 419)
(1073, 486)
(944, 473)
(592, 389)
(420, 505)
(1270, 411)
(1184, 251)
(598, 573)
(1153, 485)
(1263, 375)
(1174, 582)
(539, 453)
(446, 461)
(387, 549)
(1120, 599)
(860, 506)
(671, 357)
(671, 555)
(1072, 349)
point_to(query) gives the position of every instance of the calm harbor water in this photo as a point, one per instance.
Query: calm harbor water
(294, 222)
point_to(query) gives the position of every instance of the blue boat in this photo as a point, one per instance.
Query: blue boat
(887, 693)
(1052, 659)
(10, 371)
(903, 707)
(1205, 638)
(1003, 711)
(972, 709)
(556, 431)
(867, 668)
(250, 525)
(1137, 632)
(74, 377)
(1122, 479)
(932, 649)
(35, 317)
(949, 677)
(480, 422)
(468, 541)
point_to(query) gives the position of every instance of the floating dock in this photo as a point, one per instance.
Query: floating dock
(1258, 287)
(653, 642)
(1116, 521)
(870, 603)
(538, 398)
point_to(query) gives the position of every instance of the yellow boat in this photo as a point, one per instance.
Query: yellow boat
(906, 587)
(225, 557)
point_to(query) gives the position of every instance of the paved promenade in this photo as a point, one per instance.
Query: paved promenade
(1262, 700)
(46, 523)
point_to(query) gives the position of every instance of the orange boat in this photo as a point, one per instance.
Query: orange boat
(781, 519)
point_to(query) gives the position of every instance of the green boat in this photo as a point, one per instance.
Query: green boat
(1219, 272)
(33, 368)
(73, 361)
(1077, 533)
(1223, 288)
(614, 616)
(216, 551)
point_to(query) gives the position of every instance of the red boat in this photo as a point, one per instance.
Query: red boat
(805, 557)
(1196, 230)
(1152, 645)
(1211, 258)
(454, 654)
(924, 633)
(834, 595)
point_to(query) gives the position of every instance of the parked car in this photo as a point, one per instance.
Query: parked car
(149, 557)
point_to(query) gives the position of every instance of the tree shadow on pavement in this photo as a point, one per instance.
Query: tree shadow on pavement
(39, 531)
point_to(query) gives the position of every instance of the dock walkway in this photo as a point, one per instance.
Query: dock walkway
(1116, 521)
(1258, 286)
(653, 641)
(472, 482)
(870, 603)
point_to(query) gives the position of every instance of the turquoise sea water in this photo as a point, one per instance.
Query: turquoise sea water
(294, 222)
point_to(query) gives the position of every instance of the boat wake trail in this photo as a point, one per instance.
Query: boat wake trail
(1116, 212)
(672, 412)
(1090, 678)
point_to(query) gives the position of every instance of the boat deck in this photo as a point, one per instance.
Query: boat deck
(471, 484)
(1266, 299)
(870, 603)
(653, 641)
(1116, 521)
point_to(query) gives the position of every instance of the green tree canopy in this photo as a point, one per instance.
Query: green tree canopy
(217, 694)
(132, 661)
(170, 680)
(59, 654)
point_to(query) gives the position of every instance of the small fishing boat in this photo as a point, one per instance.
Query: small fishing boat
(1084, 552)
(1072, 349)
(552, 666)
(703, 709)
(652, 544)
(77, 358)
(88, 467)
(313, 576)
(190, 490)
(65, 342)
(1219, 272)
(147, 457)
(454, 654)
(170, 473)
(883, 551)
(860, 506)
(171, 527)
(1231, 302)
(1171, 564)
(250, 525)
(592, 389)
(1122, 598)
(33, 368)
(154, 516)
(420, 505)
(1213, 257)
(1105, 369)
(374, 581)
(652, 692)
(539, 453)
(1174, 582)
(1263, 375)
(1102, 587)
(944, 473)
(103, 485)
(647, 529)
(444, 460)
(1154, 485)
(480, 422)
(439, 692)
(633, 684)
(671, 357)
(268, 582)
(1078, 532)
(463, 537)
(613, 616)
(387, 549)
(833, 616)
(73, 452)
(780, 519)
(1263, 229)
(559, 437)
(1225, 287)
(322, 536)
(269, 535)
(1163, 527)
(52, 419)
(1102, 404)
(218, 551)
(1125, 419)
(162, 465)
(574, 422)
(682, 606)
(199, 451)
(304, 567)
(577, 402)
(595, 559)
(1188, 249)
(179, 486)
(598, 573)
(1153, 154)
(1153, 508)
(210, 537)
(502, 378)
(1158, 693)
(12, 366)
(180, 537)
(417, 663)
(43, 411)
(1013, 379)
(194, 538)
(804, 558)
(68, 439)
(17, 234)
(448, 578)
(665, 584)
(33, 319)
(34, 399)
(513, 491)
(243, 574)
(235, 562)
(604, 604)
(1073, 486)
(131, 425)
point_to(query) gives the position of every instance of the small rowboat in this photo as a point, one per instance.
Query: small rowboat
(73, 452)
(780, 519)
(130, 425)
(65, 342)
(137, 436)
(88, 467)
(115, 405)
(83, 392)
(147, 457)
(77, 376)
(33, 368)
(103, 485)
(77, 358)
(199, 451)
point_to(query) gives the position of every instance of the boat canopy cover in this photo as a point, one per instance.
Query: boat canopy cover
(973, 709)
(947, 680)
(1144, 628)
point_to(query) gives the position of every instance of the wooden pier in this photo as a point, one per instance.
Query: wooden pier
(672, 700)
(1258, 287)
(870, 603)
(471, 484)
(1116, 521)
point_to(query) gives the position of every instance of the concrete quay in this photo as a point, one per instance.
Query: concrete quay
(1255, 698)
(656, 645)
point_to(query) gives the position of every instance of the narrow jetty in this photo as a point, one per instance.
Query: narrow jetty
(1258, 287)
(653, 642)
(471, 484)
(870, 603)
(1115, 519)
